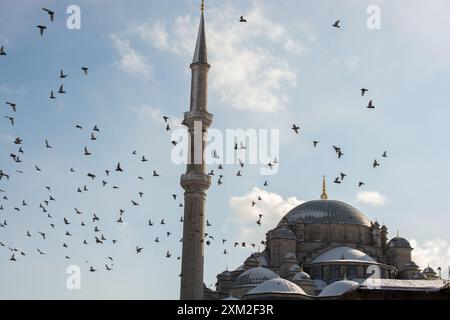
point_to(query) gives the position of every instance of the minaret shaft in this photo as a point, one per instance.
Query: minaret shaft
(195, 181)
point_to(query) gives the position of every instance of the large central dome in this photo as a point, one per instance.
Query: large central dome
(326, 211)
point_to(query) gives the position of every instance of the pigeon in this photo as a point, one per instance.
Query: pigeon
(375, 163)
(370, 105)
(52, 96)
(336, 24)
(11, 119)
(41, 29)
(118, 168)
(155, 174)
(47, 145)
(12, 105)
(384, 155)
(165, 118)
(2, 51)
(337, 180)
(295, 128)
(61, 89)
(86, 152)
(85, 70)
(363, 91)
(138, 250)
(96, 128)
(242, 19)
(50, 13)
(62, 75)
(315, 143)
(360, 184)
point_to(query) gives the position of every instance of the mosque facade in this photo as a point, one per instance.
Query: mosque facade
(327, 249)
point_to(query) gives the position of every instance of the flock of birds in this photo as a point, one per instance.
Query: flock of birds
(92, 221)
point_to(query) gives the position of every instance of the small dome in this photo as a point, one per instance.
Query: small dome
(230, 298)
(302, 275)
(225, 273)
(429, 270)
(326, 211)
(338, 288)
(419, 276)
(290, 255)
(398, 242)
(342, 253)
(254, 276)
(410, 265)
(277, 285)
(295, 268)
(283, 233)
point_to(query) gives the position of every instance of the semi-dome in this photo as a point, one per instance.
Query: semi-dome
(398, 242)
(338, 288)
(326, 211)
(254, 276)
(295, 268)
(283, 233)
(301, 275)
(277, 285)
(342, 254)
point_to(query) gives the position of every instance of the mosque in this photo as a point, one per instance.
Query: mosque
(321, 249)
(325, 249)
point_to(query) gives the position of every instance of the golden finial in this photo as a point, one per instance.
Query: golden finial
(324, 195)
(203, 6)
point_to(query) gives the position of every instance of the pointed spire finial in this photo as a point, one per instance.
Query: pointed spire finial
(203, 6)
(324, 195)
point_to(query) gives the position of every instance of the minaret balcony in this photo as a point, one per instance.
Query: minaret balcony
(198, 115)
(195, 181)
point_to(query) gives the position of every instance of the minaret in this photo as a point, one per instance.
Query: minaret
(324, 195)
(195, 182)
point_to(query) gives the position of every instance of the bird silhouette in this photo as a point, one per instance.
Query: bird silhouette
(375, 164)
(295, 128)
(370, 105)
(61, 89)
(242, 19)
(336, 24)
(139, 250)
(12, 105)
(2, 51)
(41, 29)
(363, 91)
(85, 70)
(50, 13)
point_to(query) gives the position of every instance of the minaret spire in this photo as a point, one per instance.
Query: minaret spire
(324, 195)
(195, 181)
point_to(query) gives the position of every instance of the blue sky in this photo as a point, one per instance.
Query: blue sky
(286, 65)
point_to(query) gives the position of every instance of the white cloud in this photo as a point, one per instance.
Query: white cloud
(435, 252)
(273, 207)
(372, 198)
(130, 60)
(250, 64)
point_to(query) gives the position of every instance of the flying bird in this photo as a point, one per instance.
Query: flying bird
(295, 128)
(2, 51)
(375, 163)
(315, 143)
(370, 105)
(85, 70)
(363, 91)
(242, 19)
(50, 13)
(12, 104)
(52, 96)
(336, 24)
(61, 74)
(41, 29)
(11, 119)
(61, 89)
